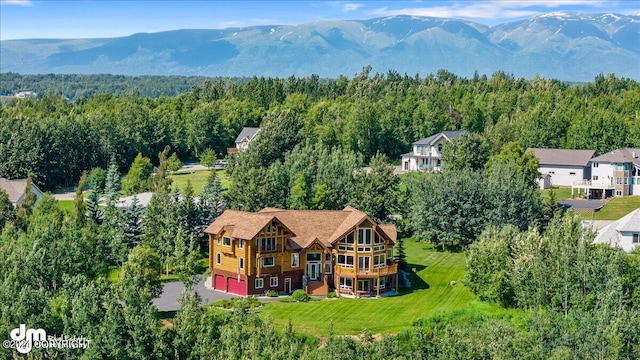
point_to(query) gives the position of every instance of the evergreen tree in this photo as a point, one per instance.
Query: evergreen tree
(7, 212)
(133, 223)
(400, 256)
(25, 207)
(137, 179)
(95, 213)
(300, 193)
(80, 209)
(112, 182)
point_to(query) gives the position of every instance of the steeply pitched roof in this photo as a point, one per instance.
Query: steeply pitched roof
(433, 138)
(325, 226)
(620, 156)
(247, 132)
(565, 157)
(609, 233)
(14, 188)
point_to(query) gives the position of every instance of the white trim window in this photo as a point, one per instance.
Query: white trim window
(219, 241)
(345, 260)
(259, 283)
(346, 283)
(268, 261)
(240, 244)
(364, 236)
(379, 261)
(218, 258)
(241, 263)
(226, 241)
(295, 260)
(364, 263)
(273, 281)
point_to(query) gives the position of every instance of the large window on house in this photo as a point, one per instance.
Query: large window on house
(346, 243)
(379, 261)
(295, 260)
(364, 262)
(364, 236)
(345, 260)
(346, 283)
(268, 244)
(226, 241)
(268, 261)
(259, 283)
(273, 282)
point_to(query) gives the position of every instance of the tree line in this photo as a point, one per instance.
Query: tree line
(55, 139)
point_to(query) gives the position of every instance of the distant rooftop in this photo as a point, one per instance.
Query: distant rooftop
(566, 157)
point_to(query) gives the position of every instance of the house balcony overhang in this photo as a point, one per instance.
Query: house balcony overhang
(371, 273)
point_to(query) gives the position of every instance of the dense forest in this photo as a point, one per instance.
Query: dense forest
(55, 139)
(577, 300)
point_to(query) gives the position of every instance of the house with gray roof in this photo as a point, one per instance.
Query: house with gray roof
(426, 154)
(16, 189)
(247, 135)
(563, 167)
(617, 173)
(623, 234)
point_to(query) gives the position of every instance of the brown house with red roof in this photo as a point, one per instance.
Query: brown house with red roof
(315, 250)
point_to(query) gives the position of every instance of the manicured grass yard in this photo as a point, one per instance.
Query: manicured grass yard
(198, 179)
(560, 193)
(430, 295)
(614, 209)
(66, 205)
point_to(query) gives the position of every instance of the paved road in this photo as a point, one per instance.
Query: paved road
(168, 300)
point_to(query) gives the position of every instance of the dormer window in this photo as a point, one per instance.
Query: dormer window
(226, 241)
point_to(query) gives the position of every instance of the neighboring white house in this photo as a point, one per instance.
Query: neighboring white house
(15, 189)
(616, 173)
(246, 136)
(624, 233)
(426, 154)
(564, 167)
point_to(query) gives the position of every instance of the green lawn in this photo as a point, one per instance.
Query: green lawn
(430, 295)
(198, 179)
(614, 209)
(561, 193)
(66, 205)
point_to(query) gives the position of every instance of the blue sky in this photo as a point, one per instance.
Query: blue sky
(23, 19)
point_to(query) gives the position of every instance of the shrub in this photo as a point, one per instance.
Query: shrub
(331, 295)
(300, 296)
(97, 178)
(272, 293)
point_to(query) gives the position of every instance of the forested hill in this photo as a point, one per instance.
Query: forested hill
(566, 46)
(56, 139)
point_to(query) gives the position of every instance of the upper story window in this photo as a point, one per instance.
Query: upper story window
(270, 229)
(364, 236)
(295, 260)
(268, 261)
(439, 147)
(268, 244)
(314, 257)
(240, 244)
(226, 241)
(595, 164)
(346, 243)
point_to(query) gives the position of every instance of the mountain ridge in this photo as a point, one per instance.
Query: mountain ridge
(562, 45)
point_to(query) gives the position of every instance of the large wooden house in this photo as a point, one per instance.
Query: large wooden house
(315, 250)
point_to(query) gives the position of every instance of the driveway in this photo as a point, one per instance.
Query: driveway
(168, 300)
(592, 205)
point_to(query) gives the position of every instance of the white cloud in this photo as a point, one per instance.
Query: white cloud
(16, 2)
(351, 7)
(498, 9)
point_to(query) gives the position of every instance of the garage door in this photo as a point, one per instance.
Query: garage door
(219, 282)
(235, 286)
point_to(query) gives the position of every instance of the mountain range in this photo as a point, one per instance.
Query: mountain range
(563, 45)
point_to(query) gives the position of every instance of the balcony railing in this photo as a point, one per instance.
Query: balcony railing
(382, 271)
(268, 270)
(594, 184)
